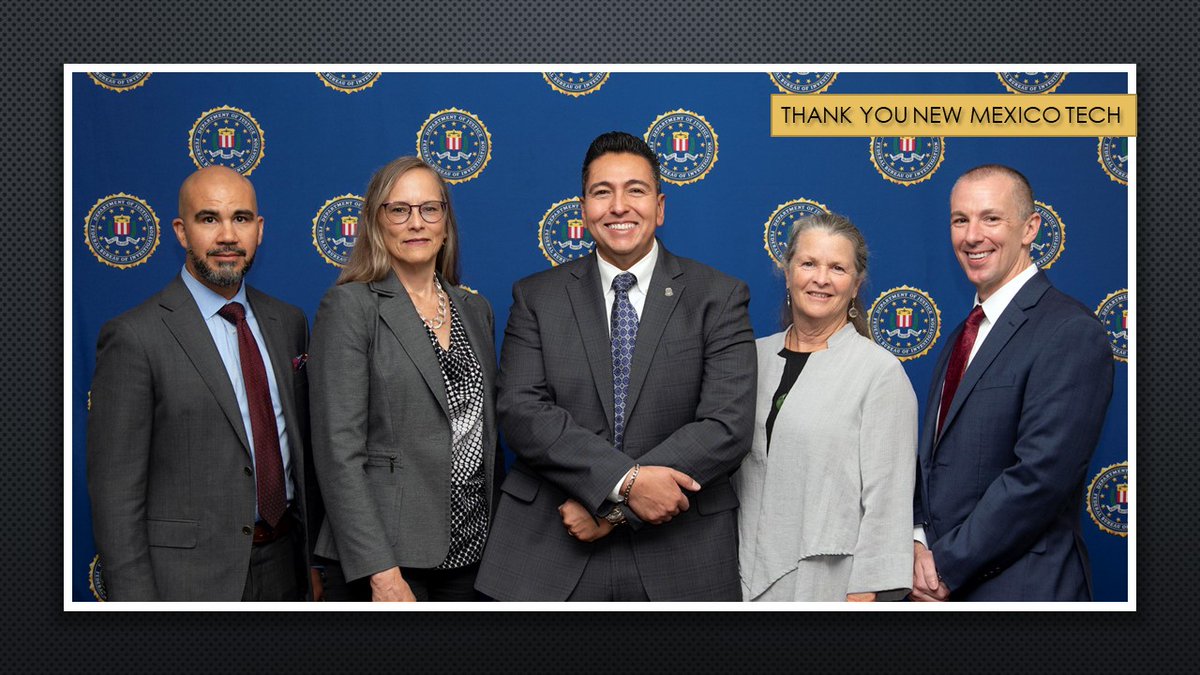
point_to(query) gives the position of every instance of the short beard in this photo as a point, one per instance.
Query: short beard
(223, 275)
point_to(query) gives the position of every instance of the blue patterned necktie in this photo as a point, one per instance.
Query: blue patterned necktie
(624, 325)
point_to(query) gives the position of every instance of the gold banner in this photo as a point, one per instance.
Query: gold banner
(954, 115)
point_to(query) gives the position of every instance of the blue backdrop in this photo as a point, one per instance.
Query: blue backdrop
(319, 139)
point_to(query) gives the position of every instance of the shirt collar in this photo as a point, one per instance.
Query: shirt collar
(641, 269)
(995, 305)
(208, 300)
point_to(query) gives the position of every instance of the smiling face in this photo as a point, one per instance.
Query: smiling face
(219, 226)
(621, 207)
(991, 230)
(415, 243)
(822, 279)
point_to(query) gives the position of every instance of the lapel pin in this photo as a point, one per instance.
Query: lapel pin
(668, 292)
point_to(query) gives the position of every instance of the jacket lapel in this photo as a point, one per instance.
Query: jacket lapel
(481, 340)
(398, 314)
(1002, 331)
(655, 315)
(270, 323)
(183, 319)
(927, 441)
(587, 302)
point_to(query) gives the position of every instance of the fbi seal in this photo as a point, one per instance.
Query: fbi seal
(803, 83)
(575, 84)
(905, 321)
(335, 228)
(121, 230)
(779, 226)
(1113, 313)
(1108, 499)
(1113, 154)
(226, 136)
(119, 82)
(349, 83)
(96, 579)
(1051, 238)
(685, 144)
(456, 144)
(1031, 83)
(907, 160)
(561, 234)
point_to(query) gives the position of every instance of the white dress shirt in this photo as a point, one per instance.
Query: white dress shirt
(642, 270)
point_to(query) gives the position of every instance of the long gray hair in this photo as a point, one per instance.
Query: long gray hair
(841, 226)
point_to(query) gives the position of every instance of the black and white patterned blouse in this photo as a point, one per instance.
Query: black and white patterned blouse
(468, 498)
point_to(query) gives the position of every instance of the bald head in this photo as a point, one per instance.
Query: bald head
(203, 180)
(219, 227)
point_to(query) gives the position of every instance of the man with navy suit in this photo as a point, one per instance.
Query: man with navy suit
(1013, 416)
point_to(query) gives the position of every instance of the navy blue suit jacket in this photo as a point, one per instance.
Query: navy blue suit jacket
(1000, 493)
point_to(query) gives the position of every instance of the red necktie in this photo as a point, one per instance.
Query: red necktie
(268, 463)
(958, 362)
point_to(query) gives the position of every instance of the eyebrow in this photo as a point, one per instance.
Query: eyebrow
(628, 183)
(209, 212)
(984, 212)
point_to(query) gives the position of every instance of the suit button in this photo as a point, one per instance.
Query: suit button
(248, 471)
(247, 530)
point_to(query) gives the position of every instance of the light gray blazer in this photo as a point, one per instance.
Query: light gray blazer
(381, 425)
(839, 478)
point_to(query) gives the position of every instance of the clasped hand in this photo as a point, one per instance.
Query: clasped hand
(580, 524)
(657, 495)
(926, 585)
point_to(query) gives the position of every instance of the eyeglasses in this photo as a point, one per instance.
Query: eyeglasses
(398, 213)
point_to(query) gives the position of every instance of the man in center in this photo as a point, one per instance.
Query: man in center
(626, 391)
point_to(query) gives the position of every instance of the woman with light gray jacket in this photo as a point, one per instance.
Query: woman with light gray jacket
(826, 491)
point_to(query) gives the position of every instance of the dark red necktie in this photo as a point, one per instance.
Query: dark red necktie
(958, 362)
(268, 463)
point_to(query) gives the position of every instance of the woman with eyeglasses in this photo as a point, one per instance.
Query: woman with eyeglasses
(402, 365)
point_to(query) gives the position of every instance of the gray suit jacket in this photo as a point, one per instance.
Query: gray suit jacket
(381, 425)
(173, 495)
(690, 406)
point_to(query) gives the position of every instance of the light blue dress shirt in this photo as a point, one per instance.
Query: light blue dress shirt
(224, 335)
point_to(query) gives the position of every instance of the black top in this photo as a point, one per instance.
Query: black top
(791, 370)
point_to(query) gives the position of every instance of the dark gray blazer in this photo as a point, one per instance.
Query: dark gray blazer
(168, 462)
(690, 406)
(381, 425)
(1000, 493)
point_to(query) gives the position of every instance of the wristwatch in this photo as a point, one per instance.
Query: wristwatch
(616, 516)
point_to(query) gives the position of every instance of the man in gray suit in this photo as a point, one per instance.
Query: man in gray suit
(626, 390)
(199, 421)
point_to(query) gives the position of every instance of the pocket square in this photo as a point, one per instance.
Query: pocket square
(299, 361)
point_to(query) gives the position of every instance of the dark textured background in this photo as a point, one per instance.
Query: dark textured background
(38, 38)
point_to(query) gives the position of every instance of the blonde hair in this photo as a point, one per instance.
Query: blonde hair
(370, 260)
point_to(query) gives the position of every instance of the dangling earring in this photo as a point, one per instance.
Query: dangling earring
(787, 297)
(853, 310)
